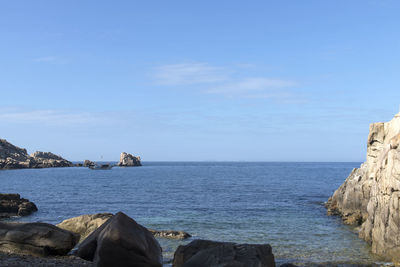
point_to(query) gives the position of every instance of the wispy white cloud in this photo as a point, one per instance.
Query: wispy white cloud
(190, 73)
(45, 59)
(251, 85)
(230, 81)
(49, 117)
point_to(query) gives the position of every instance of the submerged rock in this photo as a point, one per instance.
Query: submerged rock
(13, 157)
(371, 194)
(40, 239)
(14, 205)
(211, 253)
(170, 234)
(121, 242)
(128, 160)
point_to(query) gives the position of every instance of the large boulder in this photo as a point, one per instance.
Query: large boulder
(128, 160)
(84, 225)
(88, 163)
(372, 193)
(121, 242)
(40, 239)
(14, 205)
(204, 253)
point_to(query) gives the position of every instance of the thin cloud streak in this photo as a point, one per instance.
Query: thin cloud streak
(50, 117)
(45, 59)
(190, 74)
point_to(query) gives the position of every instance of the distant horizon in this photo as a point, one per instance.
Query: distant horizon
(296, 81)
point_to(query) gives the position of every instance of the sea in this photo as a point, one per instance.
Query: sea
(278, 203)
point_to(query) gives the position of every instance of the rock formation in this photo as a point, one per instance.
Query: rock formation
(14, 205)
(48, 160)
(88, 163)
(40, 239)
(84, 225)
(170, 234)
(211, 253)
(370, 196)
(121, 242)
(13, 157)
(128, 160)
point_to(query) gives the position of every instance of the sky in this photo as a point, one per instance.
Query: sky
(198, 80)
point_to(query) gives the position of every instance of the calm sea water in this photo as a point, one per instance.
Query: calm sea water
(276, 203)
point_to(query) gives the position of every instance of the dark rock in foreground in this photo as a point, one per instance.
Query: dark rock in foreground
(14, 205)
(40, 239)
(121, 242)
(13, 157)
(203, 253)
(128, 160)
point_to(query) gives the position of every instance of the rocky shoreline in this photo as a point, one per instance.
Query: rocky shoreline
(13, 157)
(369, 198)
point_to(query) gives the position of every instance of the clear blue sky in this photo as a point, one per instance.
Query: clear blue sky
(198, 80)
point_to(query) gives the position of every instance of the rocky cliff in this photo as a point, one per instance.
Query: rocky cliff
(370, 196)
(13, 157)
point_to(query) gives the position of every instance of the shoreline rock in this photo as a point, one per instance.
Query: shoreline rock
(39, 239)
(121, 241)
(370, 196)
(211, 253)
(14, 205)
(128, 160)
(13, 157)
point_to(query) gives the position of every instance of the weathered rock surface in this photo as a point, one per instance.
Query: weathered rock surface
(84, 225)
(128, 160)
(372, 192)
(170, 234)
(13, 157)
(48, 160)
(121, 242)
(40, 239)
(14, 205)
(210, 253)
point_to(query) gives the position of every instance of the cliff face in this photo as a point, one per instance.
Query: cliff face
(370, 195)
(13, 157)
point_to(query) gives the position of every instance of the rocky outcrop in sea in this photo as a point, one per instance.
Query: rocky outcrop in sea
(13, 157)
(14, 205)
(370, 196)
(128, 160)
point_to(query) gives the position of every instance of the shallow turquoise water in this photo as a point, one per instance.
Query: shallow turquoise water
(276, 203)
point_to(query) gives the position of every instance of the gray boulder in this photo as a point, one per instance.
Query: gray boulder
(88, 163)
(14, 205)
(128, 160)
(39, 239)
(122, 242)
(204, 253)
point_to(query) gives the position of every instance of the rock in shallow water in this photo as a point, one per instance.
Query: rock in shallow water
(14, 205)
(40, 239)
(204, 253)
(121, 242)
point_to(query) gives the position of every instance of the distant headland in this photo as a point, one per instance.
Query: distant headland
(14, 157)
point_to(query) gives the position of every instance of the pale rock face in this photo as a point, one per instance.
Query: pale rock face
(84, 225)
(128, 160)
(376, 192)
